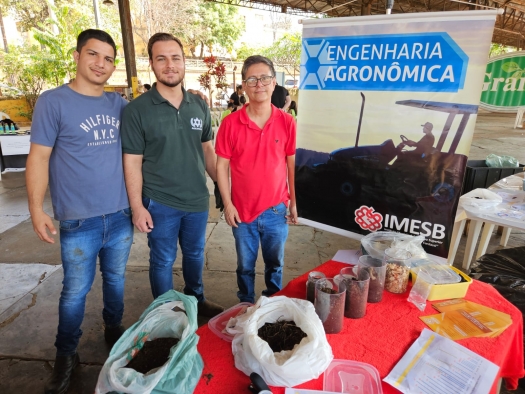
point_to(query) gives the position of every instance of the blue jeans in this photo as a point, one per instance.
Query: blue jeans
(271, 230)
(108, 237)
(169, 226)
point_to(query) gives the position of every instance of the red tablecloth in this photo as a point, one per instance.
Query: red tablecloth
(380, 338)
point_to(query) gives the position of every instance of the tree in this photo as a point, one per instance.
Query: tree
(169, 16)
(26, 69)
(214, 24)
(245, 51)
(58, 48)
(286, 52)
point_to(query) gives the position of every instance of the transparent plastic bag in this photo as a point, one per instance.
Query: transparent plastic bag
(375, 244)
(412, 244)
(180, 374)
(421, 290)
(493, 160)
(306, 361)
(480, 199)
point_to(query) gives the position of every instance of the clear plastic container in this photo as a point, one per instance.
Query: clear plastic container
(313, 277)
(346, 376)
(330, 304)
(397, 270)
(218, 324)
(440, 274)
(377, 270)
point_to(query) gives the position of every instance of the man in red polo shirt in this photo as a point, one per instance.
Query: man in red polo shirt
(257, 143)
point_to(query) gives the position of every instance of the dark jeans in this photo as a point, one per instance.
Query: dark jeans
(169, 226)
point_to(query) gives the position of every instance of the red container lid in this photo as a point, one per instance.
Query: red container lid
(346, 376)
(218, 323)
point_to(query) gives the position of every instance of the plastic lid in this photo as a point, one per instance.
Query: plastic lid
(346, 376)
(219, 322)
(441, 274)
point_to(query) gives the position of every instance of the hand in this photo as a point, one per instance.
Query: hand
(41, 224)
(231, 215)
(292, 217)
(219, 204)
(142, 220)
(200, 94)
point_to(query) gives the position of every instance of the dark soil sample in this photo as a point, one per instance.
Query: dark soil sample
(356, 296)
(281, 335)
(153, 355)
(328, 290)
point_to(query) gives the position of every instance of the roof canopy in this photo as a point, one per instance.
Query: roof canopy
(509, 26)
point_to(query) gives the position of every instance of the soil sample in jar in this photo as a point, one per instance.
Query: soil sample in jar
(357, 285)
(281, 335)
(397, 270)
(154, 354)
(313, 277)
(377, 270)
(396, 279)
(330, 304)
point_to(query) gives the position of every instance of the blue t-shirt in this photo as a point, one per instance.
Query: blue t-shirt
(86, 177)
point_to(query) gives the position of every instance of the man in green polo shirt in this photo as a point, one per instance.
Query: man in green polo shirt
(166, 140)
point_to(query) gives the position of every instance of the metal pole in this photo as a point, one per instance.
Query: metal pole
(97, 13)
(129, 46)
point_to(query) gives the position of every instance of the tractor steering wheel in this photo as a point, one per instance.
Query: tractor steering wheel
(403, 138)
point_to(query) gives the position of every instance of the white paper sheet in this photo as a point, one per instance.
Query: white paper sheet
(347, 256)
(435, 364)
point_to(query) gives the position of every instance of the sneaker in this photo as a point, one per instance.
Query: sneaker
(209, 309)
(113, 334)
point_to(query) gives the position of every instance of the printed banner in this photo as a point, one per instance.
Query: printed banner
(387, 109)
(504, 84)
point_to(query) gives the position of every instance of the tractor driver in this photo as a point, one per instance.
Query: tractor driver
(423, 146)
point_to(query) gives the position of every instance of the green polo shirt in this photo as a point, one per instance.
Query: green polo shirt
(170, 141)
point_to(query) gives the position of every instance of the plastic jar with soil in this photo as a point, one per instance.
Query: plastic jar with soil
(357, 281)
(397, 270)
(330, 304)
(376, 269)
(313, 277)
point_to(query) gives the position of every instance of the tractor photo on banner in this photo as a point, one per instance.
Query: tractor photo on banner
(388, 109)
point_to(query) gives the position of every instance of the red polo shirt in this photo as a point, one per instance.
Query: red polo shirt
(259, 174)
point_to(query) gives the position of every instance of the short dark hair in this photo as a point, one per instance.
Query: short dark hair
(147, 86)
(256, 59)
(100, 35)
(239, 87)
(162, 37)
(242, 100)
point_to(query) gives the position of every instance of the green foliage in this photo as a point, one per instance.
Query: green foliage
(286, 52)
(214, 24)
(58, 48)
(246, 51)
(26, 69)
(498, 49)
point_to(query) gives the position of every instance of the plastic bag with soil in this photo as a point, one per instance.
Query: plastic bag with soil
(287, 368)
(172, 315)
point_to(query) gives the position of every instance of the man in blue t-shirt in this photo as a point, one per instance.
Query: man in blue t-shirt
(76, 148)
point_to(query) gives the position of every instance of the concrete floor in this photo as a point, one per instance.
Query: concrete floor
(31, 274)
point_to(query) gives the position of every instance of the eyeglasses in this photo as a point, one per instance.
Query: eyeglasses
(252, 81)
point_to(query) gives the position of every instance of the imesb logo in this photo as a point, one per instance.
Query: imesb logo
(196, 123)
(368, 219)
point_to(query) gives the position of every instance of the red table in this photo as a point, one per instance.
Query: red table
(380, 338)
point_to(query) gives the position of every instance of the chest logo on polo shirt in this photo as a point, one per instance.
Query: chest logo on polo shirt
(196, 124)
